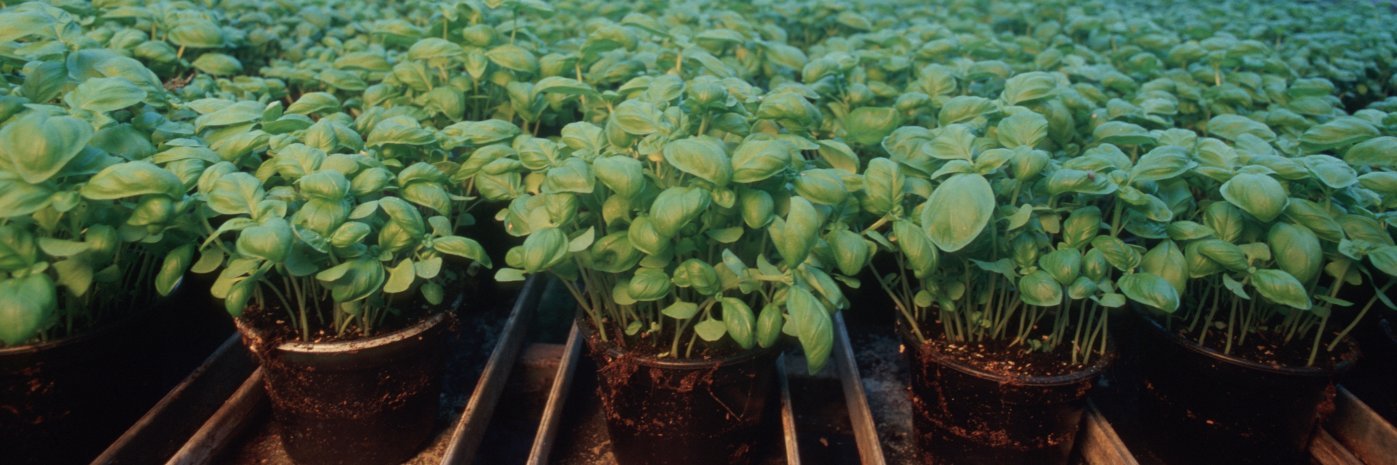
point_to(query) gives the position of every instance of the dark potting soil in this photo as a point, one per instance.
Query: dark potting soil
(480, 321)
(1271, 349)
(1004, 360)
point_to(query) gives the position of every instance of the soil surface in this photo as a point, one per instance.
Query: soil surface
(1002, 360)
(1271, 349)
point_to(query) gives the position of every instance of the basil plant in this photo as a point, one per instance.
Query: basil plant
(91, 230)
(342, 244)
(681, 228)
(1286, 250)
(997, 243)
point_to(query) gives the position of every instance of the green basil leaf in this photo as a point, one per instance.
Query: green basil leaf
(702, 157)
(38, 146)
(1258, 194)
(1281, 287)
(26, 305)
(740, 322)
(957, 211)
(1150, 290)
(132, 179)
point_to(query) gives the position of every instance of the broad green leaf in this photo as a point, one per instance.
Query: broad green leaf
(710, 330)
(680, 310)
(1258, 194)
(106, 94)
(1379, 152)
(1331, 171)
(649, 284)
(543, 249)
(38, 146)
(218, 64)
(1337, 133)
(1167, 261)
(1281, 287)
(1150, 290)
(958, 211)
(513, 57)
(740, 322)
(623, 175)
(1296, 250)
(1022, 129)
(796, 235)
(132, 179)
(1385, 259)
(235, 194)
(271, 240)
(702, 157)
(26, 305)
(759, 159)
(1029, 87)
(1122, 133)
(1231, 127)
(676, 207)
(400, 277)
(461, 247)
(1040, 289)
(813, 326)
(769, 323)
(172, 268)
(869, 125)
(196, 34)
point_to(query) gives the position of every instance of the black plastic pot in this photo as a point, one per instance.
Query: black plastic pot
(370, 401)
(1204, 407)
(682, 412)
(60, 401)
(64, 401)
(966, 416)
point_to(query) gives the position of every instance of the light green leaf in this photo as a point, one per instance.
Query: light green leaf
(740, 322)
(1281, 287)
(1150, 290)
(1258, 194)
(132, 179)
(703, 157)
(710, 330)
(26, 305)
(400, 277)
(38, 146)
(958, 211)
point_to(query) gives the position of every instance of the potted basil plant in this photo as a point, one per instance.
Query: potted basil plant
(89, 241)
(1006, 268)
(688, 255)
(342, 288)
(1277, 262)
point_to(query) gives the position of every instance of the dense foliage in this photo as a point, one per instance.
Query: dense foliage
(1013, 172)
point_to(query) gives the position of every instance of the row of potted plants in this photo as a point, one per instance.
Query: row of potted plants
(1035, 197)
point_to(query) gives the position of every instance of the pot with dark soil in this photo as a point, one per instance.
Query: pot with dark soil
(364, 401)
(349, 318)
(683, 411)
(979, 406)
(80, 391)
(1243, 371)
(1256, 406)
(81, 330)
(686, 298)
(1003, 318)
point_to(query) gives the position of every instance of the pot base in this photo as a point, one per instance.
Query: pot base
(1208, 408)
(363, 402)
(666, 412)
(965, 416)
